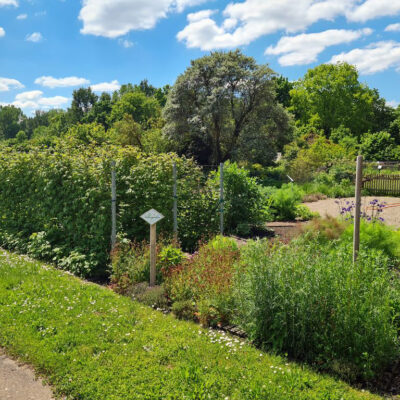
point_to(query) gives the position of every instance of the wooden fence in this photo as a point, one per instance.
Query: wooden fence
(382, 184)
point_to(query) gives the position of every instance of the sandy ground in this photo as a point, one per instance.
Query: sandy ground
(19, 383)
(391, 215)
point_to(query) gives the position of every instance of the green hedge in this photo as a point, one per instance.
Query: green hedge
(56, 203)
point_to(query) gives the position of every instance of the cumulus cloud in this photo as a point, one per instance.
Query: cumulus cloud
(372, 9)
(114, 18)
(34, 37)
(305, 48)
(2, 32)
(4, 3)
(106, 86)
(70, 81)
(7, 83)
(34, 100)
(31, 95)
(393, 103)
(376, 57)
(22, 16)
(393, 28)
(245, 21)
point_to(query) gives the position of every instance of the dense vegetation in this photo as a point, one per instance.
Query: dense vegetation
(92, 344)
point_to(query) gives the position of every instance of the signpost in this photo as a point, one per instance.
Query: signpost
(152, 217)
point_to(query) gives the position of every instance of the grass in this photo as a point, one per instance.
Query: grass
(91, 343)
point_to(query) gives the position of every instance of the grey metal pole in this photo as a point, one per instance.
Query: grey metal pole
(113, 206)
(175, 206)
(357, 216)
(221, 198)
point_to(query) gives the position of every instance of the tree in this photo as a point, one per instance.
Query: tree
(218, 101)
(331, 95)
(379, 146)
(83, 101)
(144, 110)
(283, 88)
(11, 119)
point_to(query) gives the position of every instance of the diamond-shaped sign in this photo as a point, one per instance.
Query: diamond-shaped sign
(152, 216)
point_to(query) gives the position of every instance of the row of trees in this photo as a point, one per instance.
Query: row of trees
(224, 106)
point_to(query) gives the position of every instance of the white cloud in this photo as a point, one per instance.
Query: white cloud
(125, 43)
(31, 95)
(372, 9)
(34, 37)
(34, 100)
(393, 28)
(255, 18)
(7, 83)
(22, 16)
(305, 48)
(106, 86)
(393, 103)
(70, 81)
(114, 18)
(2, 32)
(198, 16)
(4, 3)
(376, 57)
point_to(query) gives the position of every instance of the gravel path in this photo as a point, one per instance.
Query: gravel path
(19, 383)
(328, 207)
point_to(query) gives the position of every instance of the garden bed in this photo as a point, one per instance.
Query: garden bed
(91, 343)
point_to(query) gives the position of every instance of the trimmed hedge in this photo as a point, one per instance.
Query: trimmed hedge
(56, 203)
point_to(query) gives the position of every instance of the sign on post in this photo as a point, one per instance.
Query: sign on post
(152, 217)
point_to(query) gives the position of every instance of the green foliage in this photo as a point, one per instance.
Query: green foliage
(205, 279)
(65, 193)
(90, 343)
(243, 200)
(376, 235)
(223, 107)
(88, 133)
(10, 121)
(379, 146)
(21, 137)
(315, 304)
(330, 96)
(285, 202)
(169, 257)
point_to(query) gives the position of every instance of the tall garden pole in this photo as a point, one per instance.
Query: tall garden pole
(153, 254)
(357, 216)
(175, 206)
(221, 198)
(113, 206)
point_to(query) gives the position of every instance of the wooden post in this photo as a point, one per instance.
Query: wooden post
(113, 206)
(153, 254)
(175, 206)
(357, 214)
(221, 198)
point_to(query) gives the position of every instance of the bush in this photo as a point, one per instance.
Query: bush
(243, 200)
(312, 302)
(205, 279)
(62, 196)
(284, 202)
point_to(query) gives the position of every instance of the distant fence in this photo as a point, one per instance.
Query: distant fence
(382, 184)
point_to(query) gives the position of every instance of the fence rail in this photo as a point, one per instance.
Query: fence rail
(382, 184)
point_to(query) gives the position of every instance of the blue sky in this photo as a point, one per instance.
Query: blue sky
(48, 48)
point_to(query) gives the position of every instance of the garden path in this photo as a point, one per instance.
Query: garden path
(329, 207)
(18, 382)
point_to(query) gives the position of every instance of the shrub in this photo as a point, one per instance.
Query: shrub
(153, 297)
(284, 202)
(169, 257)
(184, 309)
(243, 200)
(62, 194)
(205, 279)
(312, 302)
(325, 229)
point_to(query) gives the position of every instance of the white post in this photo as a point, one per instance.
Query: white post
(221, 198)
(113, 206)
(357, 215)
(153, 254)
(175, 206)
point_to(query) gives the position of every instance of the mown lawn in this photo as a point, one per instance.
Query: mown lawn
(93, 344)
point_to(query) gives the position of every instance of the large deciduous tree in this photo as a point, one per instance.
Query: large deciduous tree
(224, 107)
(331, 95)
(11, 119)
